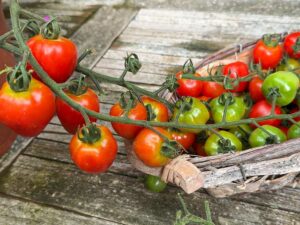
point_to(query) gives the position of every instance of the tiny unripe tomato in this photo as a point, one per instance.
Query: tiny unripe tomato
(213, 146)
(185, 139)
(148, 147)
(291, 45)
(188, 87)
(138, 112)
(96, 157)
(255, 89)
(260, 138)
(154, 183)
(285, 82)
(294, 131)
(194, 113)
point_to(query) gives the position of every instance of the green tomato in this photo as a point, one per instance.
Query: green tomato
(285, 82)
(194, 113)
(214, 145)
(242, 132)
(294, 131)
(260, 138)
(235, 110)
(289, 65)
(154, 183)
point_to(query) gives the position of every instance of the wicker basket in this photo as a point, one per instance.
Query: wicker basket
(254, 170)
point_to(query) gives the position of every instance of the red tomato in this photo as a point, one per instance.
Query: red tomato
(235, 70)
(284, 129)
(188, 87)
(70, 118)
(138, 112)
(96, 157)
(204, 98)
(199, 149)
(268, 56)
(148, 145)
(255, 89)
(263, 108)
(160, 111)
(291, 42)
(57, 57)
(27, 112)
(212, 89)
(183, 138)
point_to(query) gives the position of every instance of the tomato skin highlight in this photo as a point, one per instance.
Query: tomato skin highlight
(57, 57)
(235, 70)
(287, 84)
(268, 57)
(259, 138)
(96, 157)
(255, 89)
(159, 109)
(289, 41)
(147, 146)
(263, 108)
(27, 112)
(138, 112)
(188, 87)
(185, 139)
(70, 118)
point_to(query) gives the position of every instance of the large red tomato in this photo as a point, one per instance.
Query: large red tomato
(58, 57)
(292, 45)
(237, 70)
(188, 87)
(160, 112)
(269, 56)
(148, 147)
(27, 112)
(70, 118)
(138, 112)
(263, 108)
(94, 157)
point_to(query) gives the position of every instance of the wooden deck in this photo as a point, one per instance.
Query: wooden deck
(42, 186)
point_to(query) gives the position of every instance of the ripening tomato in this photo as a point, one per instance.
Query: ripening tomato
(188, 87)
(263, 108)
(148, 146)
(94, 157)
(27, 112)
(267, 54)
(237, 70)
(159, 112)
(292, 45)
(289, 64)
(138, 112)
(58, 57)
(212, 89)
(70, 118)
(255, 89)
(184, 138)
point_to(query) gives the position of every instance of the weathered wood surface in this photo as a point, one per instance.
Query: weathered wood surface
(163, 39)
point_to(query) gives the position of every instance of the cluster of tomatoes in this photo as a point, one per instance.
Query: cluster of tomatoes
(270, 92)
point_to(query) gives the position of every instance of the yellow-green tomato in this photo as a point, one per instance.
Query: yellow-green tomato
(266, 135)
(289, 65)
(215, 145)
(294, 131)
(285, 83)
(190, 111)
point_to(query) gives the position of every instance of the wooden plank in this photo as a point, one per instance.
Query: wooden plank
(15, 211)
(94, 33)
(58, 184)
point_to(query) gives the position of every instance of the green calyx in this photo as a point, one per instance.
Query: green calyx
(89, 134)
(171, 83)
(224, 146)
(150, 113)
(170, 149)
(273, 94)
(188, 67)
(50, 30)
(185, 104)
(132, 63)
(77, 86)
(19, 79)
(296, 46)
(271, 40)
(272, 139)
(127, 101)
(226, 99)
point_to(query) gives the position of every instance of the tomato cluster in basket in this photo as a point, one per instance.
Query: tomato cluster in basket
(233, 107)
